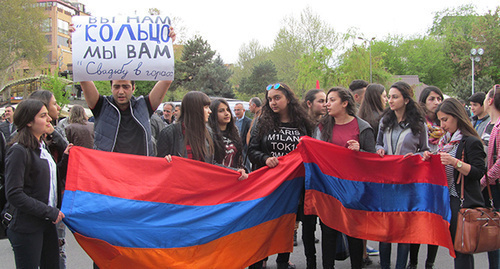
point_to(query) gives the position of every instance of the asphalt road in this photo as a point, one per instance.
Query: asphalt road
(77, 258)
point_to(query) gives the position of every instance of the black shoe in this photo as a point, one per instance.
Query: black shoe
(429, 266)
(411, 266)
(367, 262)
(316, 240)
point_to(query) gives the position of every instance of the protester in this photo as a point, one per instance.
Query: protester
(227, 141)
(343, 128)
(429, 100)
(460, 151)
(480, 116)
(7, 127)
(402, 132)
(373, 105)
(168, 113)
(56, 145)
(281, 123)
(190, 138)
(255, 105)
(32, 190)
(492, 103)
(314, 103)
(177, 113)
(80, 132)
(358, 87)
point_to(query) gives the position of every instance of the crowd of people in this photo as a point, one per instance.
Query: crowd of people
(205, 129)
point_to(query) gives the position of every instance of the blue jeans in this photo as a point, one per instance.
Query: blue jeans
(385, 255)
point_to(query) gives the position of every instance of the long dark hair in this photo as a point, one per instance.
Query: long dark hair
(25, 113)
(423, 98)
(45, 97)
(371, 108)
(414, 115)
(327, 121)
(269, 120)
(453, 107)
(231, 133)
(193, 119)
(495, 94)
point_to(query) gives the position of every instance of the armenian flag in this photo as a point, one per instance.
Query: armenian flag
(390, 199)
(130, 211)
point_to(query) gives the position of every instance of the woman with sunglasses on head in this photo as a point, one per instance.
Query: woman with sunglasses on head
(190, 137)
(227, 141)
(492, 105)
(342, 127)
(429, 100)
(461, 152)
(282, 122)
(31, 186)
(402, 131)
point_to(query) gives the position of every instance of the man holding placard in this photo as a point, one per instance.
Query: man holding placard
(123, 49)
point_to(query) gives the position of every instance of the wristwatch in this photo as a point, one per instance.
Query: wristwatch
(459, 164)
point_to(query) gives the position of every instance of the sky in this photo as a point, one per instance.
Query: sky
(227, 24)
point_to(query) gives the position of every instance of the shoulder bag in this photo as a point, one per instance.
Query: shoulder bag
(478, 229)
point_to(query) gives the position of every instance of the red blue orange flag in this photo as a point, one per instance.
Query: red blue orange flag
(131, 211)
(389, 199)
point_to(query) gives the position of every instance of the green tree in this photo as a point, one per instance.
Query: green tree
(197, 70)
(463, 87)
(315, 67)
(462, 29)
(262, 75)
(355, 64)
(21, 37)
(57, 86)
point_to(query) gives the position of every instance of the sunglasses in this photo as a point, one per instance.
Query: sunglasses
(271, 86)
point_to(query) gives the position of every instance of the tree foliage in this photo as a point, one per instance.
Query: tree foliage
(262, 75)
(21, 37)
(463, 87)
(199, 71)
(57, 86)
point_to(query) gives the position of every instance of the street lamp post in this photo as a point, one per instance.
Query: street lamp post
(475, 56)
(370, 49)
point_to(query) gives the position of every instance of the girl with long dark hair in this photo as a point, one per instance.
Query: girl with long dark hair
(342, 127)
(429, 100)
(461, 152)
(276, 133)
(227, 141)
(32, 190)
(190, 137)
(402, 132)
(373, 105)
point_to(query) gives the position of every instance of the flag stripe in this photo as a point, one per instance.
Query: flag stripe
(369, 167)
(225, 252)
(396, 227)
(141, 224)
(156, 180)
(369, 196)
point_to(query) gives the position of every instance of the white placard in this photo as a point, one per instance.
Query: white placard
(127, 48)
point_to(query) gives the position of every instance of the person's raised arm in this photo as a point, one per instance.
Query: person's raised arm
(158, 93)
(90, 92)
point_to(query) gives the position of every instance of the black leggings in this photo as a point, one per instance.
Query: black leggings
(36, 249)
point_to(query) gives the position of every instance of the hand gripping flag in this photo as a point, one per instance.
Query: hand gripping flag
(130, 211)
(389, 199)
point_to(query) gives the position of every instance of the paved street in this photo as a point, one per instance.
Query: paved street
(77, 258)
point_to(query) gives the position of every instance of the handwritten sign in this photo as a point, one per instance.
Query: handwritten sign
(127, 48)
